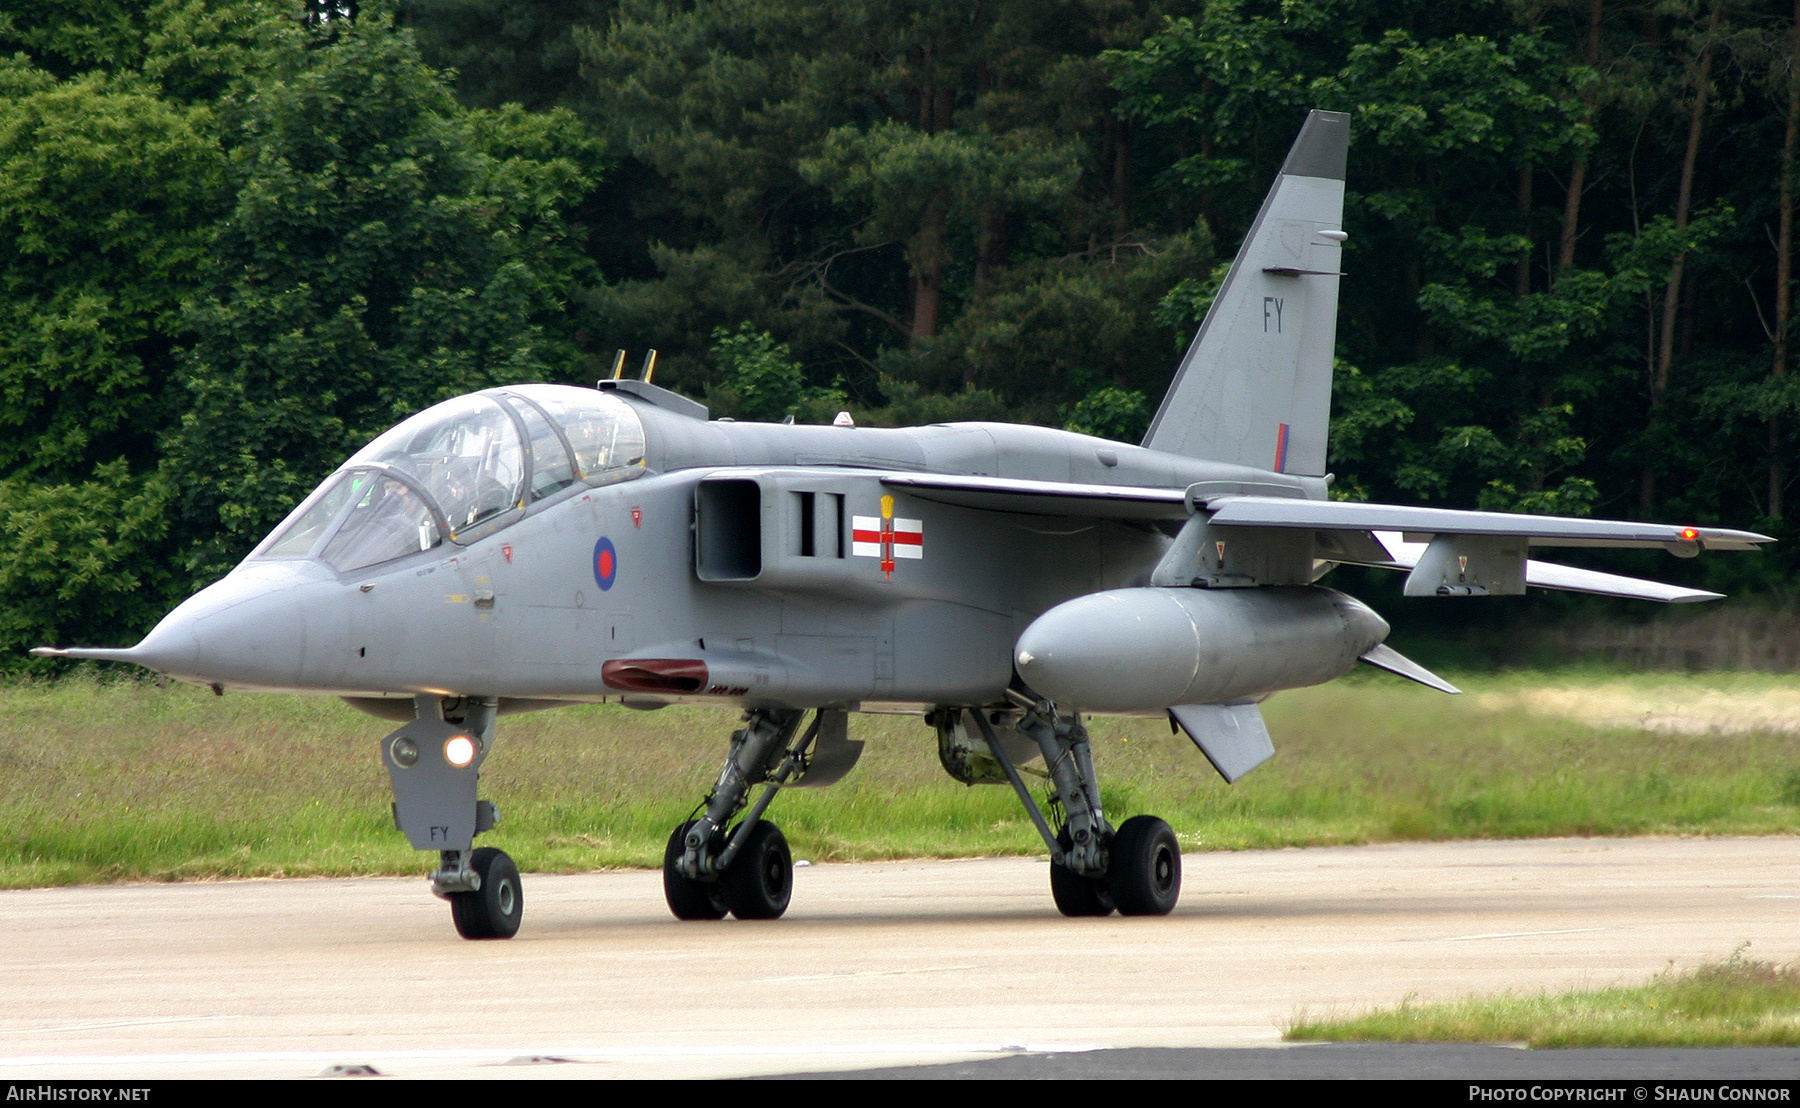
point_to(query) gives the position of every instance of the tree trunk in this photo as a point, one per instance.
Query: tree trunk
(991, 248)
(1665, 347)
(928, 256)
(1522, 268)
(1121, 177)
(1565, 253)
(1784, 262)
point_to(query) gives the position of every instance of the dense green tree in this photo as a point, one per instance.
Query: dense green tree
(506, 51)
(386, 251)
(112, 178)
(759, 379)
(1508, 345)
(861, 179)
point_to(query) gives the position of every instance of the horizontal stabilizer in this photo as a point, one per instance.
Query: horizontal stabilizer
(1548, 575)
(1383, 656)
(1545, 575)
(1232, 736)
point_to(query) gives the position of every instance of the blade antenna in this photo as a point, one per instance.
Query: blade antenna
(649, 366)
(618, 365)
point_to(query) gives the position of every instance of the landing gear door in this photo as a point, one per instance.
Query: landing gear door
(833, 755)
(434, 767)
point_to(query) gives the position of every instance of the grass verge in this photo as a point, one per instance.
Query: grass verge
(1738, 1002)
(120, 780)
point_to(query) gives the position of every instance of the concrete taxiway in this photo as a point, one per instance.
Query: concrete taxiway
(875, 965)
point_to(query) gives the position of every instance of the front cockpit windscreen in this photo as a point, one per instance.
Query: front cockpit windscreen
(467, 454)
(459, 470)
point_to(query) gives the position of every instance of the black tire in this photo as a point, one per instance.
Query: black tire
(1143, 870)
(494, 910)
(688, 898)
(1074, 894)
(760, 879)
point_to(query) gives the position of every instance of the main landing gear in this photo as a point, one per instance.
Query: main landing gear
(747, 869)
(1094, 869)
(434, 763)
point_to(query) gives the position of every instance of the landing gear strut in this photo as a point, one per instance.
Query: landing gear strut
(434, 764)
(748, 870)
(1093, 868)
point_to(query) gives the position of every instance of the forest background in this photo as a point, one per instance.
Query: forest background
(238, 238)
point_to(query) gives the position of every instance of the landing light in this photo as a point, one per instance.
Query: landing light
(459, 751)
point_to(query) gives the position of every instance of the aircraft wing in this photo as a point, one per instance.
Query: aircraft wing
(1012, 494)
(1384, 535)
(1328, 515)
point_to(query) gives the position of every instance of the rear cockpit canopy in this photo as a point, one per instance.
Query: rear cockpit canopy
(462, 470)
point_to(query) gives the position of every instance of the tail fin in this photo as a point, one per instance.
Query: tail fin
(1255, 386)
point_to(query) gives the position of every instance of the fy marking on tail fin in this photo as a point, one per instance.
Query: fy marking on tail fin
(1255, 385)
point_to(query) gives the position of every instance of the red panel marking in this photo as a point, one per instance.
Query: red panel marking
(670, 675)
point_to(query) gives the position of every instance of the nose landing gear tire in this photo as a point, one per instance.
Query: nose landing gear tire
(760, 880)
(494, 910)
(1074, 894)
(688, 898)
(1143, 870)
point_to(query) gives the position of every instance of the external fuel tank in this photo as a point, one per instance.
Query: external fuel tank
(1147, 649)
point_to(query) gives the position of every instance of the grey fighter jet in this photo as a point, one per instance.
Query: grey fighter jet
(536, 545)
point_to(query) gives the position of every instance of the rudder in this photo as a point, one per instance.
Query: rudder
(1254, 388)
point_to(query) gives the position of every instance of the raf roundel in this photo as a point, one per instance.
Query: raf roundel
(606, 564)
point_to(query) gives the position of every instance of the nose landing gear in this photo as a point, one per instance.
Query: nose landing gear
(434, 764)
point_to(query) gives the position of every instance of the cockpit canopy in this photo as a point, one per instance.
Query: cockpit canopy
(460, 471)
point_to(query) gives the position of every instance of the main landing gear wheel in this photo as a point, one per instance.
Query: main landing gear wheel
(760, 879)
(688, 898)
(494, 910)
(1143, 869)
(1074, 894)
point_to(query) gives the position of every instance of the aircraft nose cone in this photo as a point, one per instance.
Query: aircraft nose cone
(170, 648)
(247, 629)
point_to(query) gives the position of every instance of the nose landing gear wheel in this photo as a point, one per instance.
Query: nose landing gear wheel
(1074, 894)
(688, 898)
(494, 910)
(760, 879)
(1143, 871)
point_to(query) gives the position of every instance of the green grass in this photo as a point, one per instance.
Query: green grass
(1733, 1003)
(119, 780)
